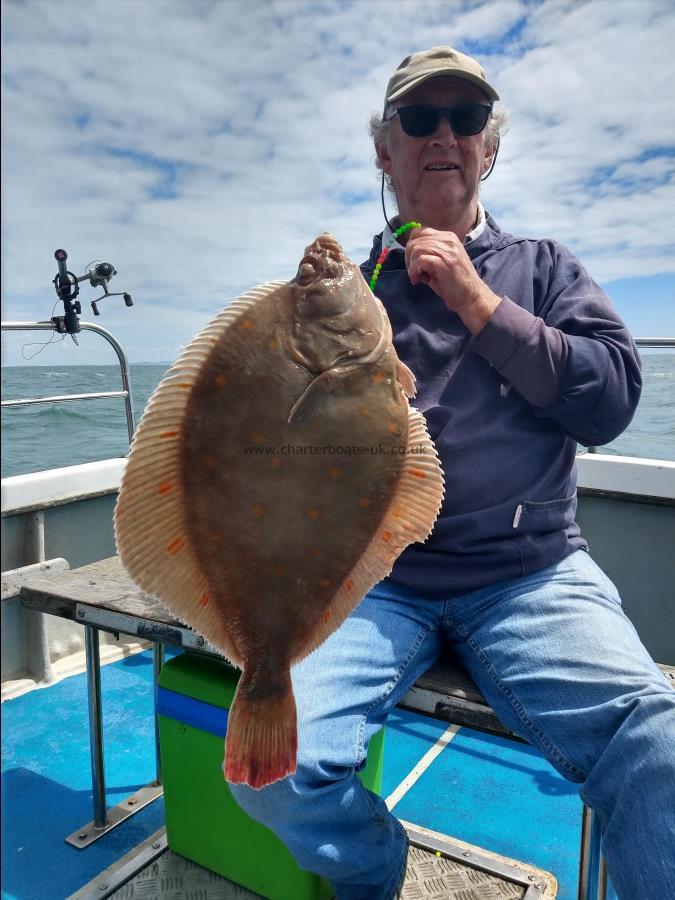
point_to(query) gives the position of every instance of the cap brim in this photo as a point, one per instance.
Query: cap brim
(436, 73)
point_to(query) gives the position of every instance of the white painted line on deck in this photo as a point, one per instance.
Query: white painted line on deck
(421, 766)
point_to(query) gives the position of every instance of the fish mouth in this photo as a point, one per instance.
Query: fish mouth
(323, 258)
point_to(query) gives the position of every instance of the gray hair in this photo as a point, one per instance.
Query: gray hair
(380, 132)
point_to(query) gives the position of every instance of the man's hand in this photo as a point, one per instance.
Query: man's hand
(438, 258)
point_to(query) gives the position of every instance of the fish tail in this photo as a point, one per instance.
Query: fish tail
(261, 742)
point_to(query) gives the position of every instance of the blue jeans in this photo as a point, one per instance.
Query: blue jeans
(560, 663)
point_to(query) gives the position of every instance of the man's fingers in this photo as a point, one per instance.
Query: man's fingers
(423, 268)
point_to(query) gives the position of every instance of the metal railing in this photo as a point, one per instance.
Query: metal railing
(99, 395)
(104, 820)
(664, 343)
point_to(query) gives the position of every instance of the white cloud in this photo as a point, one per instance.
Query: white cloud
(259, 110)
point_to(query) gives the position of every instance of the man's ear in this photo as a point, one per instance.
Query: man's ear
(488, 153)
(489, 157)
(383, 158)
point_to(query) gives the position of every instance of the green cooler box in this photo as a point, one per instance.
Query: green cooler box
(203, 821)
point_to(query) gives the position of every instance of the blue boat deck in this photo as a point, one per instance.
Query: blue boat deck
(489, 792)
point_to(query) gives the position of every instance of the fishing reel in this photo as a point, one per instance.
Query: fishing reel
(67, 286)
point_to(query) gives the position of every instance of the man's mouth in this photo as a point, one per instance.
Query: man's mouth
(440, 167)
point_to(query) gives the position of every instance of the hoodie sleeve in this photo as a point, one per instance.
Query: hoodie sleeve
(575, 361)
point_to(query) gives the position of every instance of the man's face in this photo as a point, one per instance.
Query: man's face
(421, 192)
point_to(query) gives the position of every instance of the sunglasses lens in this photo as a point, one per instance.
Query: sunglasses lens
(469, 118)
(419, 120)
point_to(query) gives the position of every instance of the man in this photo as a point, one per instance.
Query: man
(518, 355)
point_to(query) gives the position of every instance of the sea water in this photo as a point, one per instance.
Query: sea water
(51, 435)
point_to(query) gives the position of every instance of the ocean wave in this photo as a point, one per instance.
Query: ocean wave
(54, 414)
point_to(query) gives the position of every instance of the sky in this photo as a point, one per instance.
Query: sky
(200, 145)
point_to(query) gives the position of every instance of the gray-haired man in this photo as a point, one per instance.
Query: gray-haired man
(518, 355)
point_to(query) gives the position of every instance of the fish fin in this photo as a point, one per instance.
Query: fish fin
(406, 379)
(305, 407)
(150, 532)
(262, 740)
(410, 517)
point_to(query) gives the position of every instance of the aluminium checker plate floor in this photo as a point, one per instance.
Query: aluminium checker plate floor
(439, 868)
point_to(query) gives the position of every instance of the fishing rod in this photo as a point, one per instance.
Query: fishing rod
(67, 286)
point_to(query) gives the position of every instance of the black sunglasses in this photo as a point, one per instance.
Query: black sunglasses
(422, 120)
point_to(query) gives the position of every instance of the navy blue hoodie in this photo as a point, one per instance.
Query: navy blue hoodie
(554, 366)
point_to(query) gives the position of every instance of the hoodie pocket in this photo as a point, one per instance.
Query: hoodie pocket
(548, 515)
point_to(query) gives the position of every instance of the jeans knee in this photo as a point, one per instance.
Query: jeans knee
(262, 804)
(284, 801)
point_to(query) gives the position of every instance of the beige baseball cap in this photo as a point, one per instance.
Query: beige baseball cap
(425, 64)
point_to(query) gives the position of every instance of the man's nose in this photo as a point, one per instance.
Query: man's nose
(444, 133)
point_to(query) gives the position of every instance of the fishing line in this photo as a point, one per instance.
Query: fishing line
(42, 346)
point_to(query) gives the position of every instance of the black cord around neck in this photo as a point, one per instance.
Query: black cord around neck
(384, 211)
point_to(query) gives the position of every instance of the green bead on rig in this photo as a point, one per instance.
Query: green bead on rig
(386, 250)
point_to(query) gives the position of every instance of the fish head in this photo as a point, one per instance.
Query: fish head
(335, 314)
(328, 281)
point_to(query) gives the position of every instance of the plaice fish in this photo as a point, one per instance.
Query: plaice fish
(277, 473)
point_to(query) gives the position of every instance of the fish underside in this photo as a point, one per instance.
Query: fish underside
(277, 473)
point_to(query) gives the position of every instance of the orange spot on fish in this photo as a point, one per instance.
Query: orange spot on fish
(221, 380)
(349, 584)
(418, 473)
(165, 487)
(274, 569)
(175, 546)
(209, 461)
(386, 536)
(275, 462)
(313, 512)
(378, 377)
(247, 324)
(365, 502)
(334, 472)
(396, 512)
(314, 551)
(325, 583)
(256, 437)
(393, 428)
(214, 536)
(364, 410)
(168, 434)
(258, 510)
(205, 599)
(184, 384)
(273, 344)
